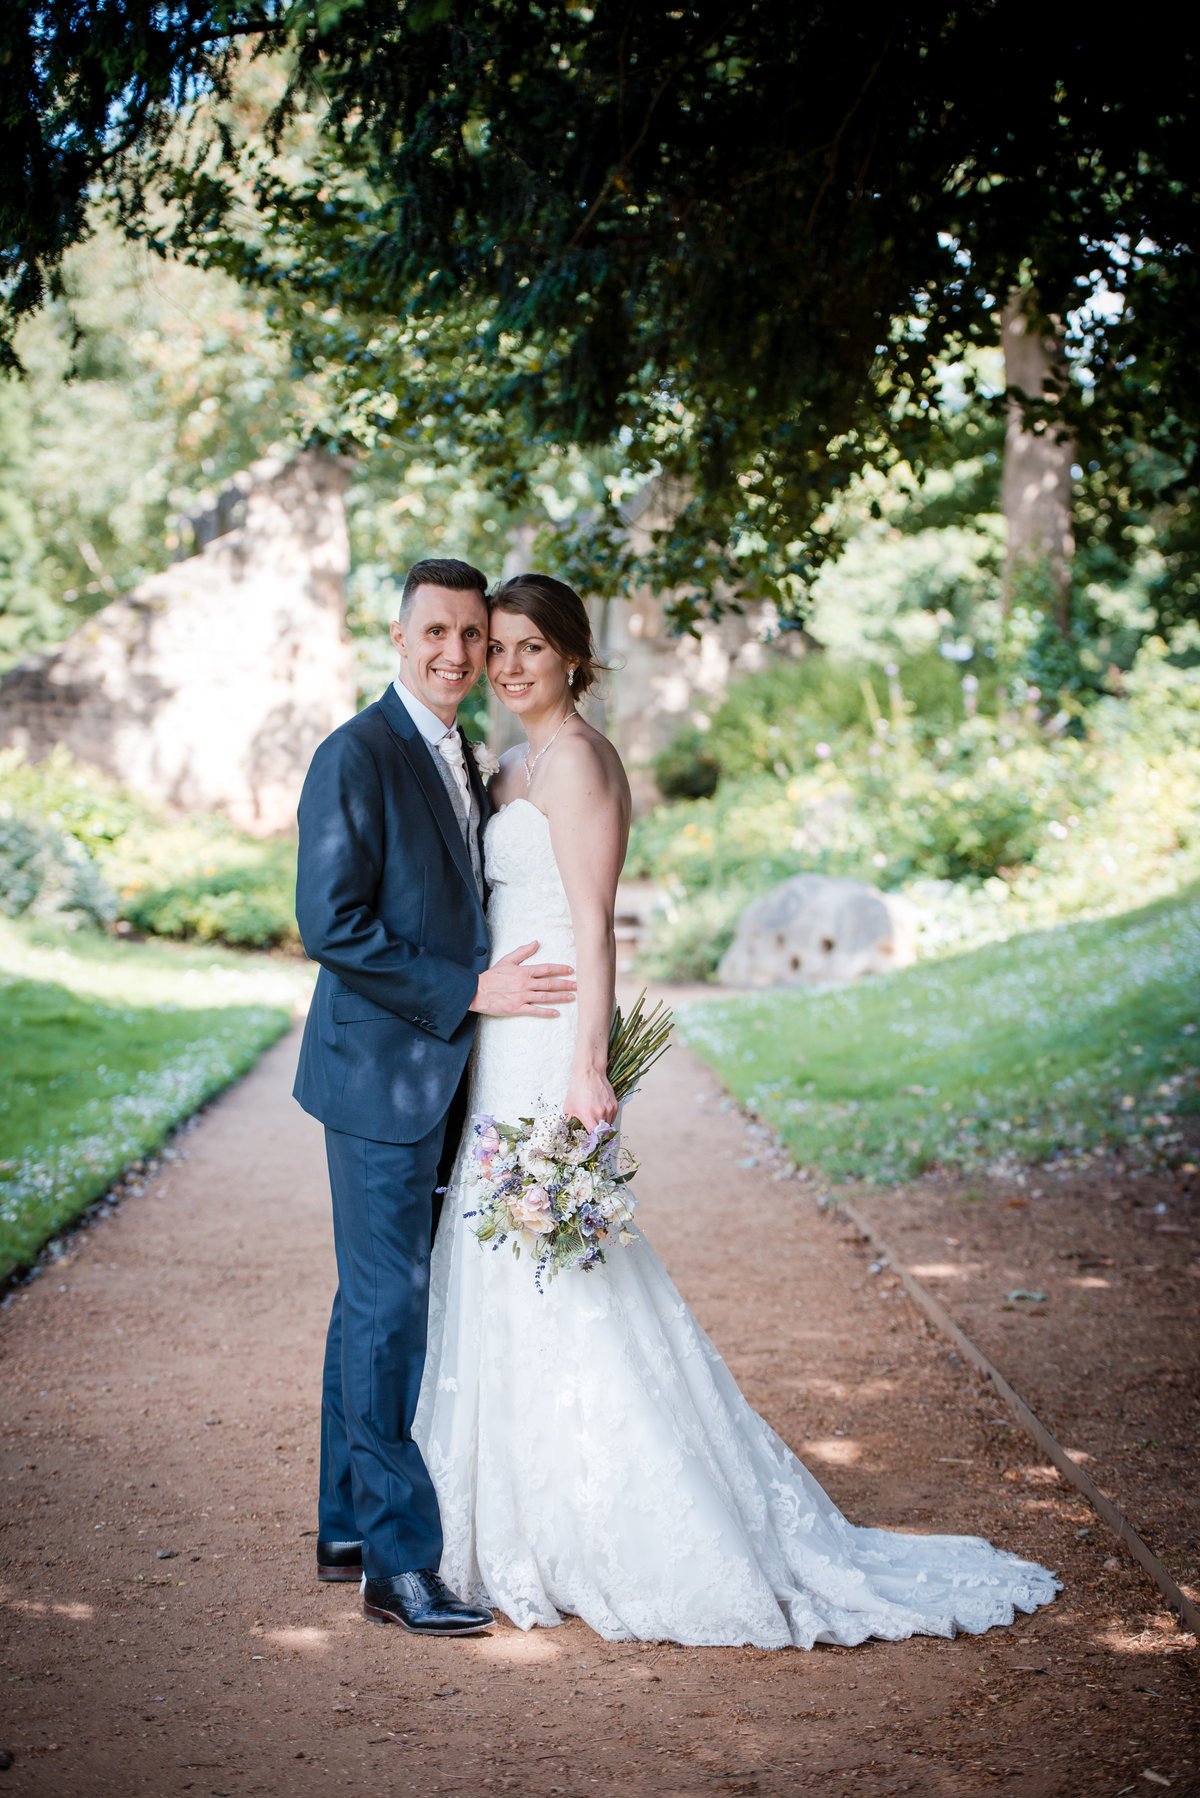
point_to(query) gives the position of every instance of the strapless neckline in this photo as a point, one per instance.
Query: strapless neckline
(519, 800)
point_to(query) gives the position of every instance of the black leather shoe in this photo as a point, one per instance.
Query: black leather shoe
(339, 1560)
(423, 1604)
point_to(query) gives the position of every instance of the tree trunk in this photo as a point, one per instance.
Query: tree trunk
(1037, 459)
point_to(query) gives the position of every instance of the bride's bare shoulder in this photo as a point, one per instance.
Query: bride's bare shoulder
(586, 766)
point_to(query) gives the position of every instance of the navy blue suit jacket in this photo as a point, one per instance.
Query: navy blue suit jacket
(386, 903)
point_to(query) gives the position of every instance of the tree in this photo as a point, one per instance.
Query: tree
(1038, 458)
(739, 243)
(26, 610)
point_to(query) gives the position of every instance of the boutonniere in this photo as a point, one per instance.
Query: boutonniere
(487, 763)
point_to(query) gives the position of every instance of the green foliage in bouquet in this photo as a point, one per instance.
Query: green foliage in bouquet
(635, 1043)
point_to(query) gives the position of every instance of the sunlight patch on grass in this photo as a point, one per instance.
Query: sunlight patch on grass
(1057, 1042)
(106, 1046)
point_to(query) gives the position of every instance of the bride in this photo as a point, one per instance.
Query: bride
(591, 1452)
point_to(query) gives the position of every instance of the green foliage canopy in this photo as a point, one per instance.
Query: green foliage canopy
(737, 243)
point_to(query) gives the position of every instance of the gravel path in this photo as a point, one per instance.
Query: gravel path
(164, 1633)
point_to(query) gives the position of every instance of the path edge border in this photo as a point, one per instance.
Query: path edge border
(1118, 1523)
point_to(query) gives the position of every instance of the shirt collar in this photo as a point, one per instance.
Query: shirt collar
(427, 722)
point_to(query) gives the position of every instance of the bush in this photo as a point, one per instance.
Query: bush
(691, 935)
(686, 769)
(249, 907)
(46, 873)
(193, 878)
(773, 722)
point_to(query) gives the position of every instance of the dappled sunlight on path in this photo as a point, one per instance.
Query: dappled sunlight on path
(164, 1631)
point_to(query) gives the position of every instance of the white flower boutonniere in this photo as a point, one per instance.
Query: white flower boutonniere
(487, 763)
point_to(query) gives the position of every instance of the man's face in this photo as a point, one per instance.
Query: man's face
(442, 645)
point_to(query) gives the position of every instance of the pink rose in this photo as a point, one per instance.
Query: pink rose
(531, 1210)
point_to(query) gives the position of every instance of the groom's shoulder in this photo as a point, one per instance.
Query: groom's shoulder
(367, 730)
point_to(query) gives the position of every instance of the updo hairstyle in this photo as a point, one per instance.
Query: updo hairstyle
(559, 615)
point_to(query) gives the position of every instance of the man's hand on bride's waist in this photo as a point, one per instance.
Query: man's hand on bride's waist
(513, 990)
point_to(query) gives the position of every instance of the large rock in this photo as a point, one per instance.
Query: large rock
(814, 930)
(210, 685)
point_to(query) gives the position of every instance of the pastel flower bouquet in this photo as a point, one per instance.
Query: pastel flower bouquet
(548, 1185)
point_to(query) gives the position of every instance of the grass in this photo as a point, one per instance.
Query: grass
(1042, 1045)
(104, 1047)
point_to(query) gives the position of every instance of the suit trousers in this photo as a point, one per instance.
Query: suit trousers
(374, 1483)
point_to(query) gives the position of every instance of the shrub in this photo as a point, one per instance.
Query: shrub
(691, 935)
(772, 722)
(91, 807)
(250, 907)
(686, 768)
(194, 878)
(45, 873)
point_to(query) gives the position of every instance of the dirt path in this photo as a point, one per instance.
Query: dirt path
(1105, 1347)
(161, 1400)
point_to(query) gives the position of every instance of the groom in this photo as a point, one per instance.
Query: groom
(389, 899)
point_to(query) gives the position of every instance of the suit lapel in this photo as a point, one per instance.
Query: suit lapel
(419, 756)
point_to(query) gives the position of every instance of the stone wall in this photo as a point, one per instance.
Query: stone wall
(209, 686)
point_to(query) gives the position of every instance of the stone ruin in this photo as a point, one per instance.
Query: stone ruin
(210, 685)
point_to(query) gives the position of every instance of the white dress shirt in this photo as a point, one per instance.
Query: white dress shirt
(427, 722)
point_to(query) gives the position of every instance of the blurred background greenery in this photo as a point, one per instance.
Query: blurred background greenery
(938, 737)
(1015, 750)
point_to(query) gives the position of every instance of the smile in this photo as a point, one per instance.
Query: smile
(517, 686)
(448, 674)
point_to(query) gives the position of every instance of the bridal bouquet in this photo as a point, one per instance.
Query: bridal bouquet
(551, 1186)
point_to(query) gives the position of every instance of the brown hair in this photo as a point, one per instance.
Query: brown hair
(460, 577)
(560, 616)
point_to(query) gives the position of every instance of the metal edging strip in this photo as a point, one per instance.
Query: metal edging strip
(1116, 1520)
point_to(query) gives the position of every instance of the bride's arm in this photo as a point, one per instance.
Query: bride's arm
(586, 797)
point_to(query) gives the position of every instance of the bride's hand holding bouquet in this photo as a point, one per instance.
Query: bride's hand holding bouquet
(555, 1186)
(590, 1097)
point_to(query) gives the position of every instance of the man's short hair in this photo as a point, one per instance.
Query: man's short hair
(437, 571)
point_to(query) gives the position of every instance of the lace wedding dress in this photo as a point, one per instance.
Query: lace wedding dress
(592, 1453)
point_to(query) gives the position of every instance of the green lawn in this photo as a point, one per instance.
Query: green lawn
(104, 1047)
(1059, 1040)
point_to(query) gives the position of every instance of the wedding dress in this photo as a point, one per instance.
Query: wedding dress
(590, 1449)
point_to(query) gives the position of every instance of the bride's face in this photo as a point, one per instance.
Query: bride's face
(528, 675)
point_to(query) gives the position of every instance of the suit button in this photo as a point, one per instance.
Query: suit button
(481, 948)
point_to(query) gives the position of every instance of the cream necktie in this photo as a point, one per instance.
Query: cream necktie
(450, 749)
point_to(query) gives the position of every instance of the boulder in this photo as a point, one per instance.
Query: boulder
(814, 930)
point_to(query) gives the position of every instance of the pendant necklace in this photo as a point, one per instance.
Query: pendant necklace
(531, 762)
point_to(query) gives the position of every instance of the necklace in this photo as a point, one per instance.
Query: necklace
(531, 762)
